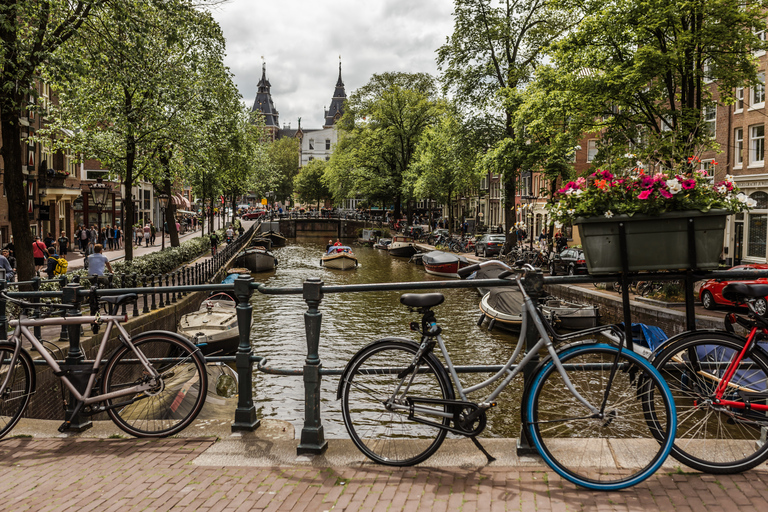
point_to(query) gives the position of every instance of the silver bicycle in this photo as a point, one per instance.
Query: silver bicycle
(152, 385)
(587, 404)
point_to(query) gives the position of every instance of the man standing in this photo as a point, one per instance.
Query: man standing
(152, 233)
(63, 245)
(147, 234)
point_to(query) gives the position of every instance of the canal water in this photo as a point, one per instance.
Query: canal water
(352, 320)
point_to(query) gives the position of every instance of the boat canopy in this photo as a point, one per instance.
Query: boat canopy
(506, 300)
(339, 248)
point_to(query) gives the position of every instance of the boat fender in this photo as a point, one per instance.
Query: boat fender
(481, 320)
(491, 324)
(275, 261)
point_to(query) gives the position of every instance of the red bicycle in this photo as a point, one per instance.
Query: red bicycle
(719, 380)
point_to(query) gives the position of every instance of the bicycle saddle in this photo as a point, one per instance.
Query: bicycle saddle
(735, 292)
(422, 300)
(119, 299)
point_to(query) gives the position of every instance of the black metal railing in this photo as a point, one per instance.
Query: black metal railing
(313, 290)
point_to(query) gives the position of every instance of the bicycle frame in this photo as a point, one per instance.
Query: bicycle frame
(544, 341)
(22, 329)
(725, 381)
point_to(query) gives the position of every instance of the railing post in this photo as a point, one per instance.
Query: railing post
(173, 283)
(312, 435)
(74, 356)
(135, 283)
(167, 293)
(3, 314)
(145, 309)
(160, 284)
(37, 330)
(534, 286)
(64, 333)
(123, 284)
(152, 285)
(245, 414)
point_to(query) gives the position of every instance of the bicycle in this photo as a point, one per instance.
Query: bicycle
(719, 381)
(398, 400)
(152, 385)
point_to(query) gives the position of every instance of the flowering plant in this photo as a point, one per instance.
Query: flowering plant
(604, 194)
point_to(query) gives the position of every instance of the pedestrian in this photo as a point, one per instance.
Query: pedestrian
(52, 261)
(49, 240)
(138, 234)
(97, 262)
(118, 234)
(152, 233)
(39, 252)
(82, 238)
(11, 248)
(93, 238)
(63, 245)
(214, 243)
(147, 234)
(5, 263)
(110, 237)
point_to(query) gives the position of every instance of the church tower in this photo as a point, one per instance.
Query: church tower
(264, 104)
(337, 103)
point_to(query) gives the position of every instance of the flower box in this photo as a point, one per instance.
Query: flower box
(653, 242)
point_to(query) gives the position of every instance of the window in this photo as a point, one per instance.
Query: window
(760, 34)
(311, 144)
(710, 120)
(739, 100)
(311, 158)
(738, 142)
(327, 158)
(758, 92)
(591, 150)
(757, 145)
(708, 168)
(757, 234)
(706, 71)
(327, 144)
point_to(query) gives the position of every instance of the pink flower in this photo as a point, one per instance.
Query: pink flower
(644, 194)
(665, 193)
(689, 184)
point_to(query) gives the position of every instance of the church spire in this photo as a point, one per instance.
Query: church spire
(336, 109)
(263, 102)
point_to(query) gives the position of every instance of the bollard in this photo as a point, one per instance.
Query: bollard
(312, 435)
(245, 414)
(152, 291)
(173, 283)
(160, 284)
(167, 294)
(145, 309)
(75, 356)
(534, 286)
(110, 281)
(3, 314)
(37, 330)
(64, 333)
(123, 284)
(135, 283)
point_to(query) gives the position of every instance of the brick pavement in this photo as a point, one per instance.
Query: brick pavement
(159, 475)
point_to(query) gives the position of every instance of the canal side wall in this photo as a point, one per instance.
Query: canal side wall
(336, 228)
(670, 320)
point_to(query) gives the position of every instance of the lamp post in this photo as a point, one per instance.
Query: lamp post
(528, 208)
(99, 195)
(163, 199)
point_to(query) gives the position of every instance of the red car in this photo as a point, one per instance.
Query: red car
(253, 215)
(711, 292)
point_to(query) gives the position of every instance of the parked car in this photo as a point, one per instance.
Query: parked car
(489, 245)
(711, 291)
(570, 260)
(253, 215)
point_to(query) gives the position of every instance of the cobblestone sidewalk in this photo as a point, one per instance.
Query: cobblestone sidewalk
(158, 475)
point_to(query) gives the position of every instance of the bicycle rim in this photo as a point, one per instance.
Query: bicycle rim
(15, 397)
(710, 438)
(613, 452)
(386, 435)
(173, 403)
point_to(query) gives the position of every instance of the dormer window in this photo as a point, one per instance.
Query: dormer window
(311, 144)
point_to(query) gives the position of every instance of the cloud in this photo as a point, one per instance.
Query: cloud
(301, 42)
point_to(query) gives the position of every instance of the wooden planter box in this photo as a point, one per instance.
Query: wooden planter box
(653, 242)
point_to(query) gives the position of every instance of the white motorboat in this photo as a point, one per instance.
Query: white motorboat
(256, 259)
(213, 328)
(402, 246)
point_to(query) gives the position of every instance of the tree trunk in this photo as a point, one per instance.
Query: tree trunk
(17, 194)
(170, 215)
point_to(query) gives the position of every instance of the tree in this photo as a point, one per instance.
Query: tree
(310, 184)
(378, 135)
(284, 159)
(30, 34)
(647, 67)
(493, 50)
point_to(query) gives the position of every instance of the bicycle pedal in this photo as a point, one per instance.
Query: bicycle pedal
(64, 426)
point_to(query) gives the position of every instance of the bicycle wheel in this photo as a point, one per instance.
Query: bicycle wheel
(176, 399)
(617, 449)
(710, 437)
(15, 397)
(385, 434)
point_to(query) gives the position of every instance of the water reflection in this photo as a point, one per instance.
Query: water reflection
(354, 319)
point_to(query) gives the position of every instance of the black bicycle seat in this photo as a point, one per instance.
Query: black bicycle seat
(736, 292)
(422, 300)
(119, 299)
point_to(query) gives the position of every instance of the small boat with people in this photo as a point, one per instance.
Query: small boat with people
(444, 264)
(339, 257)
(256, 259)
(402, 246)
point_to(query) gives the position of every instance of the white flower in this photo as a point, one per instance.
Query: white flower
(729, 178)
(722, 189)
(751, 202)
(569, 191)
(742, 197)
(674, 186)
(558, 224)
(579, 192)
(609, 214)
(571, 212)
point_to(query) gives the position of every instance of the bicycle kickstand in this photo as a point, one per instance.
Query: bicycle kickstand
(65, 426)
(482, 449)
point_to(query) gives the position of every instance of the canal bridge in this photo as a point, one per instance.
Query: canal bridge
(332, 227)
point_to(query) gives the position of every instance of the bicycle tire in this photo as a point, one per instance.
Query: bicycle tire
(581, 449)
(15, 397)
(384, 435)
(734, 435)
(173, 404)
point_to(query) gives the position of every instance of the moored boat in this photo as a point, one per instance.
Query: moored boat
(382, 243)
(278, 240)
(339, 257)
(261, 241)
(416, 259)
(570, 315)
(502, 306)
(213, 328)
(256, 259)
(444, 264)
(490, 270)
(402, 246)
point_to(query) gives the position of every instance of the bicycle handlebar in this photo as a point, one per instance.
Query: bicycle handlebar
(26, 304)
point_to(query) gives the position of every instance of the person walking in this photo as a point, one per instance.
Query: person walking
(147, 234)
(214, 243)
(39, 253)
(63, 242)
(118, 234)
(152, 233)
(49, 241)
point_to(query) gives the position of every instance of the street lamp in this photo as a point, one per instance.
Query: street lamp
(163, 199)
(529, 207)
(99, 195)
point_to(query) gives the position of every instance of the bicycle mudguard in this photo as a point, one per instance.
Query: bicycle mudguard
(733, 336)
(151, 334)
(405, 341)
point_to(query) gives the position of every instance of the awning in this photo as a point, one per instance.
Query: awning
(186, 211)
(181, 201)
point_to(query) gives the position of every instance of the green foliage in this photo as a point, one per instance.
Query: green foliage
(284, 159)
(309, 183)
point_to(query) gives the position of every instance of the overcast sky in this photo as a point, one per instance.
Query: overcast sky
(301, 41)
